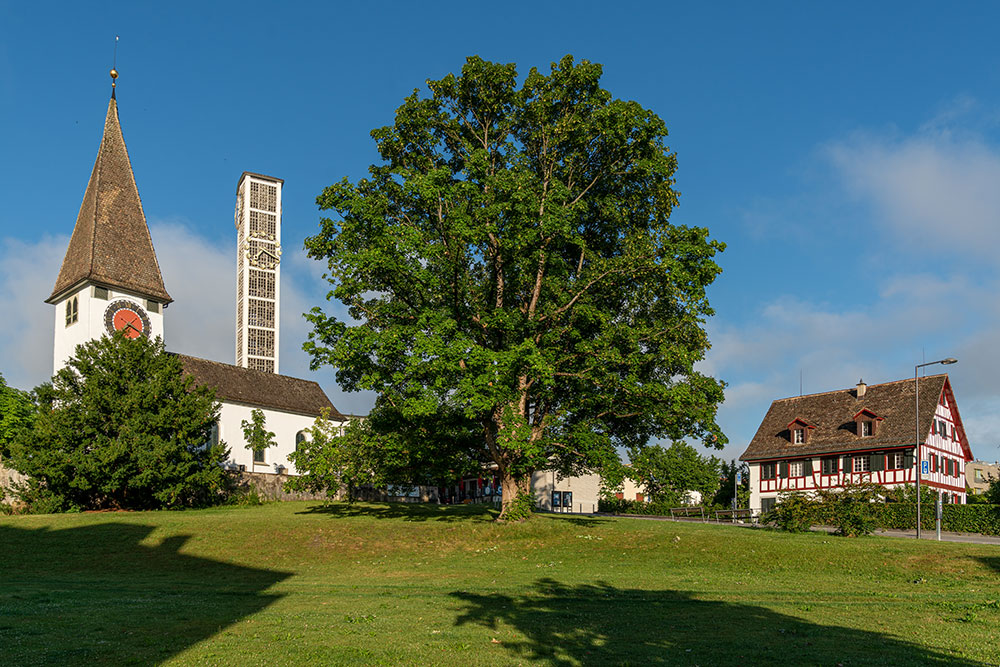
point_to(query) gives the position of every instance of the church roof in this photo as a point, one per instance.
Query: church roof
(259, 389)
(833, 413)
(111, 245)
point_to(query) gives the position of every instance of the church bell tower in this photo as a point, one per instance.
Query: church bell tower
(110, 279)
(258, 271)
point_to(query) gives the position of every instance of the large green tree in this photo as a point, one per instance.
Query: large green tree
(511, 259)
(122, 427)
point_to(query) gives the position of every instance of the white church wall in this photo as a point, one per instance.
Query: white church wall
(284, 425)
(90, 324)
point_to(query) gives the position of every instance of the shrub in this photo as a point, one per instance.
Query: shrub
(795, 513)
(854, 511)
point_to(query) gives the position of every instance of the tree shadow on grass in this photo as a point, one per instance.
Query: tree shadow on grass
(96, 595)
(991, 562)
(432, 512)
(602, 625)
(582, 520)
(407, 511)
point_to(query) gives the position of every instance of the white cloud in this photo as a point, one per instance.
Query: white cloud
(27, 275)
(201, 278)
(935, 190)
(198, 274)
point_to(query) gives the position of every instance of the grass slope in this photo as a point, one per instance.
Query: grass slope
(297, 583)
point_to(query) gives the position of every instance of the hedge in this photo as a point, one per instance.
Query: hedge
(979, 518)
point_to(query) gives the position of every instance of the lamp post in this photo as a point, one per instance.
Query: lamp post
(916, 425)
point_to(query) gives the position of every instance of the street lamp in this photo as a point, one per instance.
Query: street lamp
(916, 425)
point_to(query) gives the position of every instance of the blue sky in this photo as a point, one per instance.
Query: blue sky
(848, 156)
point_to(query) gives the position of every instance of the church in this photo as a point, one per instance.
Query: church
(110, 281)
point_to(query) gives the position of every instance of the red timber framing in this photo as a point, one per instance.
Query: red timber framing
(860, 435)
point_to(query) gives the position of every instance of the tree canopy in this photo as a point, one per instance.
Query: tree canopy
(511, 261)
(667, 474)
(16, 412)
(121, 427)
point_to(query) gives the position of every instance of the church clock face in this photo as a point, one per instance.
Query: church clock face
(126, 317)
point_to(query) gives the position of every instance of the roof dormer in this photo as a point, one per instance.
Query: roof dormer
(799, 430)
(866, 422)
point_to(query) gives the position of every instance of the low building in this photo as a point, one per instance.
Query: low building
(979, 474)
(290, 406)
(863, 434)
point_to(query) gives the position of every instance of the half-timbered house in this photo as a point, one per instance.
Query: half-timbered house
(862, 434)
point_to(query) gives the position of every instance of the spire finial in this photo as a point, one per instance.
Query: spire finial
(114, 70)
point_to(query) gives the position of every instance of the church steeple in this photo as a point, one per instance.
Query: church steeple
(111, 246)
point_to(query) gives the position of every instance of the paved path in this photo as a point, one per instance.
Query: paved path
(971, 538)
(974, 538)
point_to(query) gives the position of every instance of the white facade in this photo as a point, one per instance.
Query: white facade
(258, 271)
(550, 489)
(286, 426)
(942, 450)
(81, 316)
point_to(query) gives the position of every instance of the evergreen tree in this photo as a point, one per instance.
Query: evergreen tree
(122, 428)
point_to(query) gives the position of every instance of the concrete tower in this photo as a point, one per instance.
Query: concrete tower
(110, 279)
(258, 271)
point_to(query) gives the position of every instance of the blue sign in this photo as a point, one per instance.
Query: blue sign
(925, 467)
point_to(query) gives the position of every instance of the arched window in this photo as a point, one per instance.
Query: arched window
(300, 437)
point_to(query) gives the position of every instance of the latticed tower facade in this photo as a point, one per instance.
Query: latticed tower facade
(258, 271)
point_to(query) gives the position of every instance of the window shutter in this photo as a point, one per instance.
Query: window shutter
(783, 469)
(908, 460)
(878, 462)
(848, 464)
(807, 467)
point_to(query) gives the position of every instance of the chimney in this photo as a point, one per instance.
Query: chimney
(862, 388)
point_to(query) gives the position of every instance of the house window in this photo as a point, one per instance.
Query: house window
(768, 470)
(767, 504)
(830, 465)
(898, 460)
(72, 311)
(557, 499)
(799, 436)
(866, 428)
(979, 475)
(862, 464)
(258, 456)
(300, 438)
(795, 469)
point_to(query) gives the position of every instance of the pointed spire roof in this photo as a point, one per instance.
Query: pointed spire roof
(111, 245)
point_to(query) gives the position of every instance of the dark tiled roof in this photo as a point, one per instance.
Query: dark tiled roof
(833, 415)
(257, 388)
(111, 245)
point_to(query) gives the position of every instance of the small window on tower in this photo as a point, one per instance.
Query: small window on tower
(101, 293)
(72, 311)
(152, 306)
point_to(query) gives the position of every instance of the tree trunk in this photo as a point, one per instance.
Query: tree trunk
(513, 489)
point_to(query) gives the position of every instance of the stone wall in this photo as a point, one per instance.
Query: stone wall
(8, 477)
(271, 487)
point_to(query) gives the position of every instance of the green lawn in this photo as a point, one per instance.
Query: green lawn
(300, 584)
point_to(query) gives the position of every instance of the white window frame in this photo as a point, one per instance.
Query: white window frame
(866, 428)
(898, 460)
(798, 436)
(861, 464)
(795, 469)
